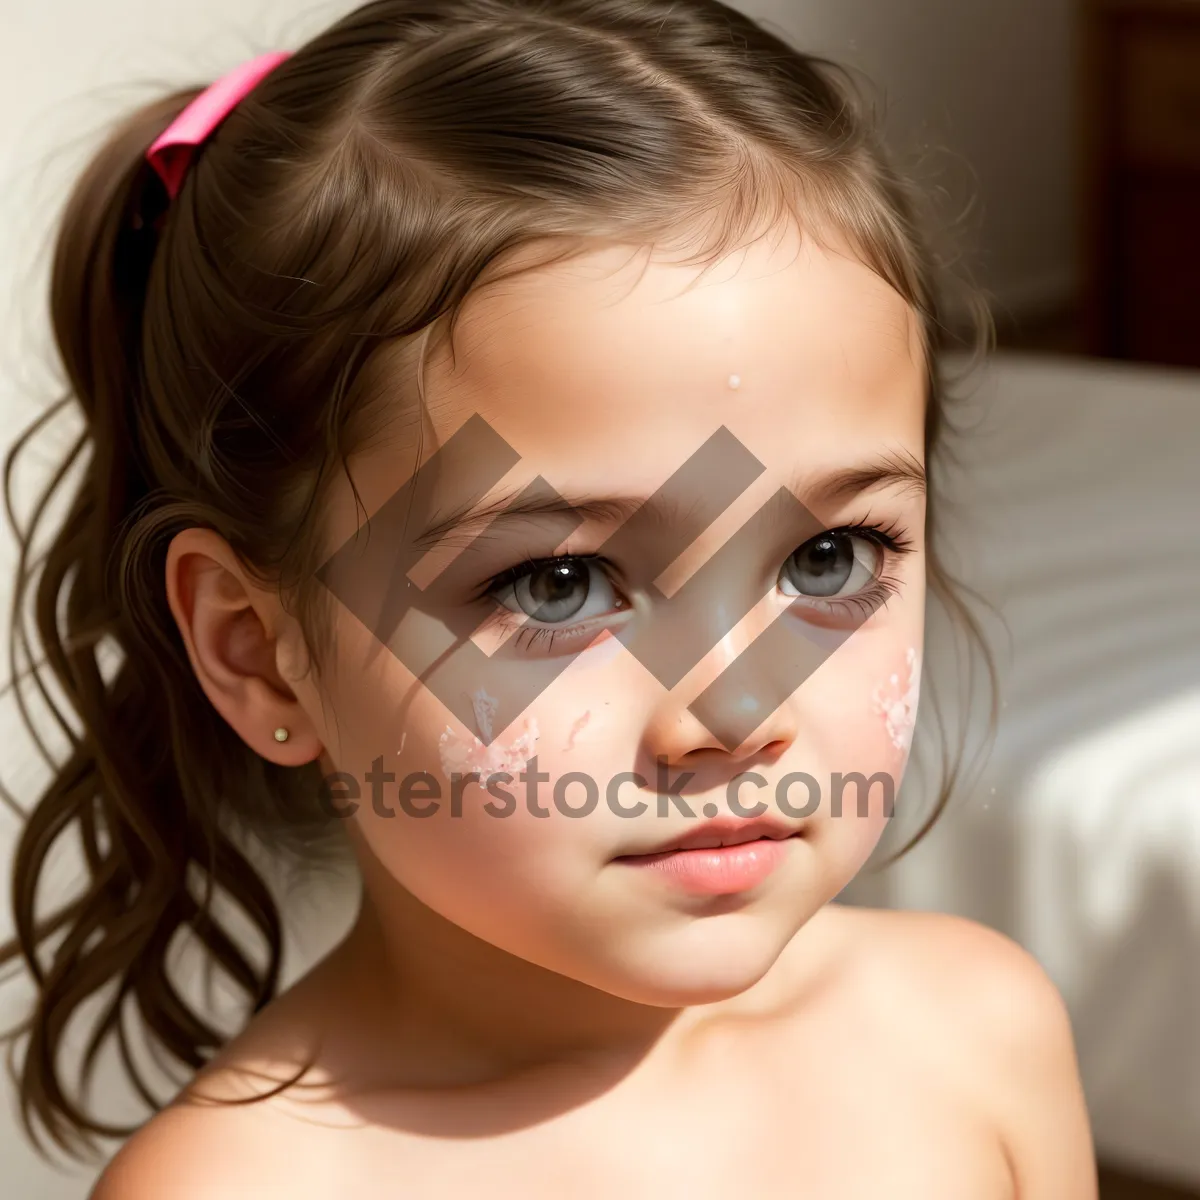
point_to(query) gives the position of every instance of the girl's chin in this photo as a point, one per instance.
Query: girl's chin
(683, 975)
(691, 985)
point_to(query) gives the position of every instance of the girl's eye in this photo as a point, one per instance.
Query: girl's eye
(558, 590)
(831, 564)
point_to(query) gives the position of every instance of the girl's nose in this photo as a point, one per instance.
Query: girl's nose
(733, 703)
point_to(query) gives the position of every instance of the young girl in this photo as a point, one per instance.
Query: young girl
(508, 423)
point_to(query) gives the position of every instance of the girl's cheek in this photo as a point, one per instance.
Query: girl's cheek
(577, 727)
(866, 724)
(487, 751)
(584, 722)
(558, 723)
(894, 702)
(861, 720)
(604, 651)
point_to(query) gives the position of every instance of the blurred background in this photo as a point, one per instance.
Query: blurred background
(1060, 140)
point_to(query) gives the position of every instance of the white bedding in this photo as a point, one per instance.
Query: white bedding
(1081, 522)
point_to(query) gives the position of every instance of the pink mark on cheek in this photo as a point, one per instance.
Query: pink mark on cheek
(463, 755)
(896, 701)
(576, 730)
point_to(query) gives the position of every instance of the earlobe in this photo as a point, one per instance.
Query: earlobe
(226, 621)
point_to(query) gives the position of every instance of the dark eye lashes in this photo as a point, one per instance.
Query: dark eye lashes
(529, 565)
(890, 536)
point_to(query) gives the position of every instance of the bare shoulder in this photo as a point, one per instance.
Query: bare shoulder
(186, 1153)
(220, 1143)
(248, 1125)
(973, 997)
(975, 987)
(983, 982)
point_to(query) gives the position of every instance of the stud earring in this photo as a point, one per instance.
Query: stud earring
(281, 734)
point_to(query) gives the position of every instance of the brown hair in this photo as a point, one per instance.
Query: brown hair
(227, 361)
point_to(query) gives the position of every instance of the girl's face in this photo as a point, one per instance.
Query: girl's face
(719, 584)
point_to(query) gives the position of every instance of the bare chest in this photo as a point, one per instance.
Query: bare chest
(766, 1132)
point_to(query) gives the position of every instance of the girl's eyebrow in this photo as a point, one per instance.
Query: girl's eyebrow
(897, 469)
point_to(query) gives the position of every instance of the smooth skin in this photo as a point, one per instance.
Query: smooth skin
(514, 1012)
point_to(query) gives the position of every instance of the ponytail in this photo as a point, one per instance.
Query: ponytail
(120, 789)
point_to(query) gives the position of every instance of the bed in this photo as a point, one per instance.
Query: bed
(1077, 514)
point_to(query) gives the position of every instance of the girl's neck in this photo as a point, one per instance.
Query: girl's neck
(439, 1007)
(450, 1009)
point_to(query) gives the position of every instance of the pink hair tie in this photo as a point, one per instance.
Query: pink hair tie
(172, 151)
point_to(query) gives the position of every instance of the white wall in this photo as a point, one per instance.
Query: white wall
(985, 78)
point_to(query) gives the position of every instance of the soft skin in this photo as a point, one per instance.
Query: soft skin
(832, 378)
(517, 1011)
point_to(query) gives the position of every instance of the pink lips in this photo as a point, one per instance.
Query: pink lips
(720, 858)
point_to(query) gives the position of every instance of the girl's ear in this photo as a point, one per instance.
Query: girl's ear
(231, 629)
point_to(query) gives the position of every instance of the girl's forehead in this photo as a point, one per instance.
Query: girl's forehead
(778, 342)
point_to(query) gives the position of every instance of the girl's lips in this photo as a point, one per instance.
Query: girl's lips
(722, 832)
(717, 870)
